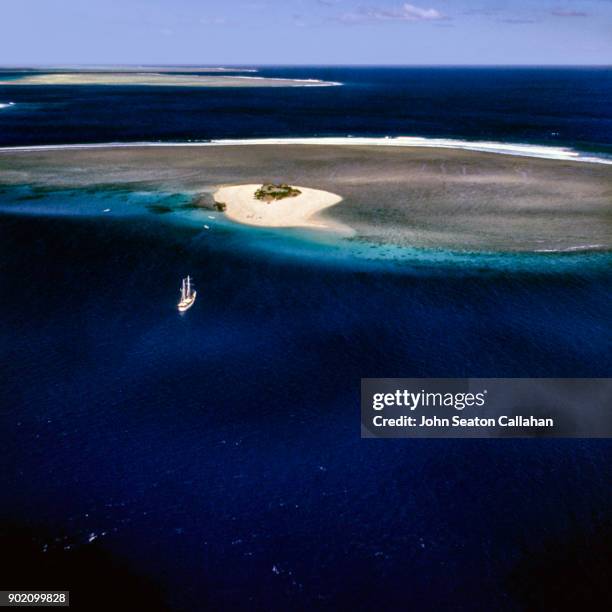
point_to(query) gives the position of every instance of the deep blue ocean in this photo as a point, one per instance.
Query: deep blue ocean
(213, 461)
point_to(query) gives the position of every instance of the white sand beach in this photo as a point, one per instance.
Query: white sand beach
(299, 211)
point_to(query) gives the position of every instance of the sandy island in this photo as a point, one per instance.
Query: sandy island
(160, 79)
(419, 197)
(299, 211)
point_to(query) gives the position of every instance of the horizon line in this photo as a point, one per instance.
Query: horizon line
(295, 65)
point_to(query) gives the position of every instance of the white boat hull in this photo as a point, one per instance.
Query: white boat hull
(186, 304)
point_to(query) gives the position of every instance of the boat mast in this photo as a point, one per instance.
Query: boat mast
(188, 286)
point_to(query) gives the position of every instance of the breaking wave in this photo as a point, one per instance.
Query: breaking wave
(501, 148)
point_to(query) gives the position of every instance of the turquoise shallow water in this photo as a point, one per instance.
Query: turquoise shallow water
(319, 248)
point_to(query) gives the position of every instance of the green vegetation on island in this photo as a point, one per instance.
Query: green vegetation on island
(270, 192)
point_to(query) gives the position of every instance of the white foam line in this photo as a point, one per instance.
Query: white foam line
(522, 150)
(299, 82)
(6, 104)
(580, 247)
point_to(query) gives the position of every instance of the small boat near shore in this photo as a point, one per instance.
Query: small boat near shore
(188, 295)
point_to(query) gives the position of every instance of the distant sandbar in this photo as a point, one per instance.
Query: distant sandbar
(160, 79)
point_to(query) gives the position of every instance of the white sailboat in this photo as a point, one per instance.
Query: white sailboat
(188, 295)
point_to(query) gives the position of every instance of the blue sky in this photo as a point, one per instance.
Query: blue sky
(307, 31)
